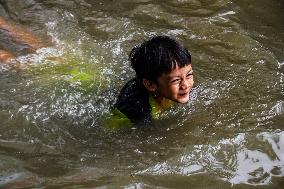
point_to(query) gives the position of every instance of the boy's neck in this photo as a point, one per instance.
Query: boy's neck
(162, 103)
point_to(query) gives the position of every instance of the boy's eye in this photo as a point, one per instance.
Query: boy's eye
(189, 74)
(174, 81)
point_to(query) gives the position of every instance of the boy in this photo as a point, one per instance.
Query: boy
(163, 75)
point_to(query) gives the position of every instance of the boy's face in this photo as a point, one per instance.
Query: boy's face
(176, 85)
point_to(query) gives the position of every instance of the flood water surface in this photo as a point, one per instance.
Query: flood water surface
(229, 134)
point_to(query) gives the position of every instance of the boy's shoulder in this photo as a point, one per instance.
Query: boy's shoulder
(133, 101)
(132, 89)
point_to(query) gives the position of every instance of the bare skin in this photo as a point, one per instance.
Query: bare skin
(174, 86)
(21, 35)
(6, 57)
(10, 59)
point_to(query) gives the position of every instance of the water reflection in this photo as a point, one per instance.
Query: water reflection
(230, 159)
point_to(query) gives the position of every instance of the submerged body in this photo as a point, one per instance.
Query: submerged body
(135, 106)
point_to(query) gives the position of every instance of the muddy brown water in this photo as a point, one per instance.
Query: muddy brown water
(229, 134)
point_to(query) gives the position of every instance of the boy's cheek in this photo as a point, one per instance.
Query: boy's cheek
(192, 84)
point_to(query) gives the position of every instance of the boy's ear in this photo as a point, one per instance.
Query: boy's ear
(150, 86)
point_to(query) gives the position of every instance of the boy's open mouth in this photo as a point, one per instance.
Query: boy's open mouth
(183, 94)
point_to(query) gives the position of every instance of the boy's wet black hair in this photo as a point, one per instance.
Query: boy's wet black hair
(156, 56)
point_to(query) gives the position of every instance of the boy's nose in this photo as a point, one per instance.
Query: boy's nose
(185, 84)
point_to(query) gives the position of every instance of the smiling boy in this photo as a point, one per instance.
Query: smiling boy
(163, 75)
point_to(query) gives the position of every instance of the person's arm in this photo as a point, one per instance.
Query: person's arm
(6, 57)
(21, 35)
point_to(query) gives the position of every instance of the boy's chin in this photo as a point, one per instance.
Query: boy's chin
(182, 100)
